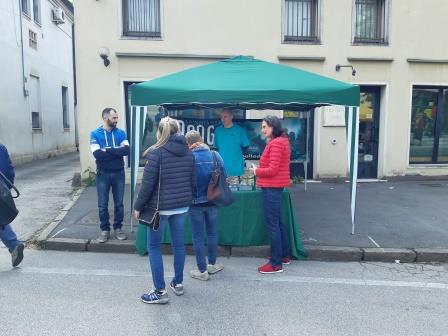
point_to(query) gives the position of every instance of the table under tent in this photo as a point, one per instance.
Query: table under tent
(245, 83)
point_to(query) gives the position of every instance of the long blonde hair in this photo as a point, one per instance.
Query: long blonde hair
(167, 127)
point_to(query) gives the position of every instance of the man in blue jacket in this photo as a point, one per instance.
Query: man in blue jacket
(109, 145)
(7, 235)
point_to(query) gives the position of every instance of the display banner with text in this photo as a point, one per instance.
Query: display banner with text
(205, 122)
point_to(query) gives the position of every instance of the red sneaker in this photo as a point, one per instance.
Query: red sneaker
(285, 261)
(268, 269)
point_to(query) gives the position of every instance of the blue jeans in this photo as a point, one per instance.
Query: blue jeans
(278, 236)
(204, 219)
(9, 238)
(104, 182)
(154, 238)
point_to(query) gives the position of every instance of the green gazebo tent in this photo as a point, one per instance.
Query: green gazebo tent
(247, 83)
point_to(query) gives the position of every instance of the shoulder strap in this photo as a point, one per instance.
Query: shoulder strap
(215, 160)
(10, 185)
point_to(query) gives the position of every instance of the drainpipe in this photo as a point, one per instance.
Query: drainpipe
(25, 92)
(75, 90)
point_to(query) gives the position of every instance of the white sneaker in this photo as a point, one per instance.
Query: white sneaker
(212, 269)
(119, 234)
(197, 274)
(104, 237)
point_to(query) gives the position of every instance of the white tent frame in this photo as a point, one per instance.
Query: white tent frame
(352, 131)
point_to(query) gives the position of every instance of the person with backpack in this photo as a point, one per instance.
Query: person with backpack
(203, 213)
(7, 234)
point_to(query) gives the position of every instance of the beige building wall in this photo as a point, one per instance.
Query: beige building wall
(196, 32)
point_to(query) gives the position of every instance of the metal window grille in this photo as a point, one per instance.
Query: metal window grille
(141, 18)
(33, 39)
(370, 21)
(300, 20)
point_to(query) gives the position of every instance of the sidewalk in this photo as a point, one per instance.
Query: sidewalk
(406, 221)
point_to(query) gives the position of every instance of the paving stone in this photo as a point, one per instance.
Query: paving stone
(223, 251)
(333, 253)
(114, 246)
(431, 254)
(66, 244)
(388, 254)
(250, 251)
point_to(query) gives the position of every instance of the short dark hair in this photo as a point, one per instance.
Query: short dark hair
(276, 124)
(226, 110)
(106, 112)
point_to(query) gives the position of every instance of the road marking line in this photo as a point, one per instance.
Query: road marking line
(79, 271)
(374, 242)
(255, 278)
(58, 232)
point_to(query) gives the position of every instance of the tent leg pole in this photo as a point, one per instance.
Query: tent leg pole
(355, 165)
(305, 164)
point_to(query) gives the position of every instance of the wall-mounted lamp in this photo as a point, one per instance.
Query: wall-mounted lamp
(104, 54)
(338, 68)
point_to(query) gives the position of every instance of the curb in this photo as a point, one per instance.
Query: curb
(334, 253)
(315, 253)
(389, 255)
(431, 255)
(66, 244)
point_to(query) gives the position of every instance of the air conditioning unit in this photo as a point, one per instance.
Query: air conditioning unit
(58, 15)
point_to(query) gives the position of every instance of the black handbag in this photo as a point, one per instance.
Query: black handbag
(218, 191)
(8, 210)
(150, 216)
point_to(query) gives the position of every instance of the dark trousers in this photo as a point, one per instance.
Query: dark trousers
(277, 233)
(8, 237)
(105, 181)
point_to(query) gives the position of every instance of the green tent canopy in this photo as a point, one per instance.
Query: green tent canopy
(246, 83)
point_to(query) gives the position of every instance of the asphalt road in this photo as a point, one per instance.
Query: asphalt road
(62, 293)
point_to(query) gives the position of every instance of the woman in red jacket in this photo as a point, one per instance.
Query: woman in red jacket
(272, 177)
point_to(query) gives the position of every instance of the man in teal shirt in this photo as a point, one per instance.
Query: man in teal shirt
(231, 140)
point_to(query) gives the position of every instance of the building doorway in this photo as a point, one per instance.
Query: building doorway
(369, 121)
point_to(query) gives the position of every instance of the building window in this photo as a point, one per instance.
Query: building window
(429, 125)
(33, 39)
(36, 11)
(300, 21)
(370, 24)
(141, 18)
(65, 115)
(34, 98)
(26, 7)
(35, 117)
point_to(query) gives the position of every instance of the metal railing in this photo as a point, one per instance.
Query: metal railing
(370, 21)
(300, 20)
